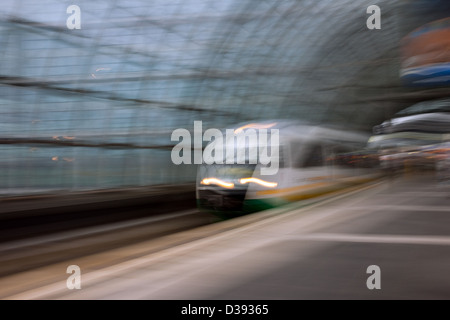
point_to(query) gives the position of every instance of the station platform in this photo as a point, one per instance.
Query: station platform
(316, 250)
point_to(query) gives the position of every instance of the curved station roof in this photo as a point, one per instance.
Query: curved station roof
(135, 70)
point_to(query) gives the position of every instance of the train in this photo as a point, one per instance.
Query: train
(423, 123)
(312, 161)
(415, 137)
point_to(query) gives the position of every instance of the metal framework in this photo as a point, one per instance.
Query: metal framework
(106, 97)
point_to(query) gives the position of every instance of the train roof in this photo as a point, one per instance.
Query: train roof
(431, 106)
(436, 122)
(301, 130)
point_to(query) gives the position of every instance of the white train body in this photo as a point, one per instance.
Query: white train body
(312, 161)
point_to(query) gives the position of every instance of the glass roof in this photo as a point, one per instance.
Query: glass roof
(154, 65)
(138, 69)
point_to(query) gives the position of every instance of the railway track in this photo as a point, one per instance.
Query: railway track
(33, 252)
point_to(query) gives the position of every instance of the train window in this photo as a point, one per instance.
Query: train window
(281, 155)
(297, 154)
(306, 156)
(314, 156)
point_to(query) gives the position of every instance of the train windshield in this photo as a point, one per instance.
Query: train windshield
(228, 172)
(218, 174)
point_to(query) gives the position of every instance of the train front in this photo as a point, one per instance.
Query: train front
(232, 170)
(219, 188)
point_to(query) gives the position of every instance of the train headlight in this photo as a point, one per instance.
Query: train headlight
(263, 183)
(221, 183)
